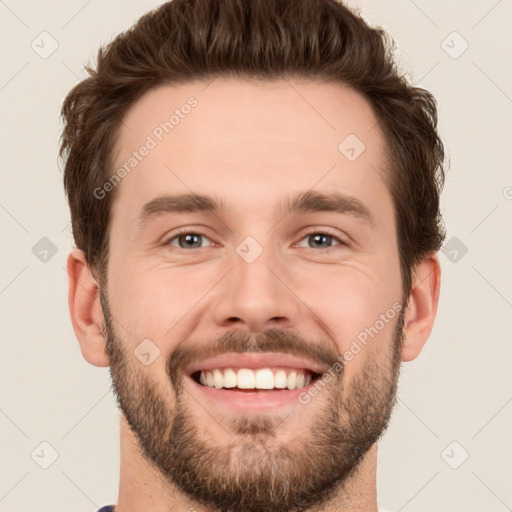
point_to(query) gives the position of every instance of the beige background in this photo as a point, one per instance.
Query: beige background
(459, 390)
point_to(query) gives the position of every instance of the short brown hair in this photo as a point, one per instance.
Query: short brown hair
(185, 40)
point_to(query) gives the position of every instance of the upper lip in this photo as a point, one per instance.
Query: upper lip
(255, 360)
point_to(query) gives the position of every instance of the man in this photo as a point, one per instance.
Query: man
(254, 194)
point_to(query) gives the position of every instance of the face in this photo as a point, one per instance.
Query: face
(254, 306)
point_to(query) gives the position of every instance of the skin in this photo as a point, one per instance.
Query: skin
(253, 144)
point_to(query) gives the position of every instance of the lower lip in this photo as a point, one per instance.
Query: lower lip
(249, 400)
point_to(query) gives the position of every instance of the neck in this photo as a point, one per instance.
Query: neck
(142, 487)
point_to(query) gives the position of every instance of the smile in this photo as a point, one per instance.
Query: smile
(262, 379)
(252, 381)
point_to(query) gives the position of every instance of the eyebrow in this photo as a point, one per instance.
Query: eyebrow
(305, 202)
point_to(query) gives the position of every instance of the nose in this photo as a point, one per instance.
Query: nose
(256, 296)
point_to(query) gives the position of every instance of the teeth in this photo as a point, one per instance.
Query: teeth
(245, 378)
(230, 379)
(264, 379)
(291, 382)
(218, 379)
(280, 379)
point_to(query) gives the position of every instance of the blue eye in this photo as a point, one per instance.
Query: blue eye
(321, 240)
(192, 240)
(187, 240)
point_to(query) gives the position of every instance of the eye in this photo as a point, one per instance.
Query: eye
(321, 239)
(187, 240)
(192, 240)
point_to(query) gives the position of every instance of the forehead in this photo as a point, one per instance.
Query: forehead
(309, 113)
(250, 141)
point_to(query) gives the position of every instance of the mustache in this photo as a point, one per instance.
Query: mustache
(271, 340)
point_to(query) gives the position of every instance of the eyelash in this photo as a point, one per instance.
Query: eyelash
(326, 232)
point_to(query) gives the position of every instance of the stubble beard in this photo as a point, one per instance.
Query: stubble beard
(254, 472)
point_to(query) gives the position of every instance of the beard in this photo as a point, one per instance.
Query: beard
(255, 472)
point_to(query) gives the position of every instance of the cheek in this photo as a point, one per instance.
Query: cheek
(357, 302)
(153, 301)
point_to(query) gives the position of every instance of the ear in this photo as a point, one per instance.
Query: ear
(85, 309)
(421, 306)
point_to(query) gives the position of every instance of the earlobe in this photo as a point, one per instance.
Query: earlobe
(421, 306)
(85, 309)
